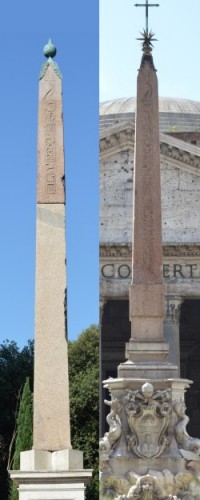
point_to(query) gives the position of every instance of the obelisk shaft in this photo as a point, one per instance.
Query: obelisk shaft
(146, 351)
(51, 392)
(147, 289)
(147, 227)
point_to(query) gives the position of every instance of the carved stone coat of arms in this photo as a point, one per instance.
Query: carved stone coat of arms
(148, 413)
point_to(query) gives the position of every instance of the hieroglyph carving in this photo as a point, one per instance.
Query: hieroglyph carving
(147, 193)
(148, 414)
(50, 141)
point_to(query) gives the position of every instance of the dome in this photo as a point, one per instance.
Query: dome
(177, 115)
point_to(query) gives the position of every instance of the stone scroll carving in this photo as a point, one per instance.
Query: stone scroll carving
(107, 443)
(189, 446)
(148, 414)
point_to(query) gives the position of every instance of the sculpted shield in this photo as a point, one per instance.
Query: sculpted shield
(148, 418)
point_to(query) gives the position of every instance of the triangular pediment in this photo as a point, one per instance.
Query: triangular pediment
(117, 138)
(121, 137)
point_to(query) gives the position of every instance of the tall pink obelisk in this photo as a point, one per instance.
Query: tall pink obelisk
(52, 469)
(51, 429)
(146, 299)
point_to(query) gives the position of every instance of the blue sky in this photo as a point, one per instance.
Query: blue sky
(176, 54)
(25, 28)
(73, 26)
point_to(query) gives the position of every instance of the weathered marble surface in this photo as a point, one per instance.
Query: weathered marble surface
(179, 191)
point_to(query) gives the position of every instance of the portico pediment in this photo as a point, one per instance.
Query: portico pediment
(181, 154)
(117, 138)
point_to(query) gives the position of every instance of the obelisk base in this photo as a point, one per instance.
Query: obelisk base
(147, 452)
(147, 369)
(149, 351)
(45, 475)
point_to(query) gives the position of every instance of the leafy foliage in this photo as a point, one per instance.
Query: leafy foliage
(24, 437)
(84, 397)
(15, 366)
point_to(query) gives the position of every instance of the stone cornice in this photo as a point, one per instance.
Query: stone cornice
(121, 137)
(181, 250)
(181, 152)
(117, 138)
(169, 250)
(122, 250)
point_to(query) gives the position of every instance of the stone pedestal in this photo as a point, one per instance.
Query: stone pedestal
(149, 370)
(147, 447)
(51, 476)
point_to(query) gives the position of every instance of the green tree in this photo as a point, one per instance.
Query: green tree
(24, 435)
(15, 366)
(84, 395)
(84, 398)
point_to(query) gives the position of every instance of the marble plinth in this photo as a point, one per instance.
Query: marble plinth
(51, 476)
(147, 447)
(146, 369)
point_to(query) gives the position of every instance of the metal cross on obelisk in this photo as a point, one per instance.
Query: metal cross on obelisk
(147, 5)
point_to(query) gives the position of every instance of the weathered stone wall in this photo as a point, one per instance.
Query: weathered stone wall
(180, 201)
(180, 204)
(116, 192)
(181, 226)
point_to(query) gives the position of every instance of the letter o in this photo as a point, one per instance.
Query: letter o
(125, 274)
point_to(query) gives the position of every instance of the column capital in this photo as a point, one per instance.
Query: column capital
(173, 308)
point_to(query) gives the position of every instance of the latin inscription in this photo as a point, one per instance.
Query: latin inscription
(170, 271)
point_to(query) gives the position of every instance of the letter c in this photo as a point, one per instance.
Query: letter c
(104, 273)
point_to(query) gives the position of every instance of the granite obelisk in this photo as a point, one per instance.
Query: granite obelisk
(52, 469)
(51, 392)
(147, 293)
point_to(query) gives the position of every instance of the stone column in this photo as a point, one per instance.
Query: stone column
(172, 326)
